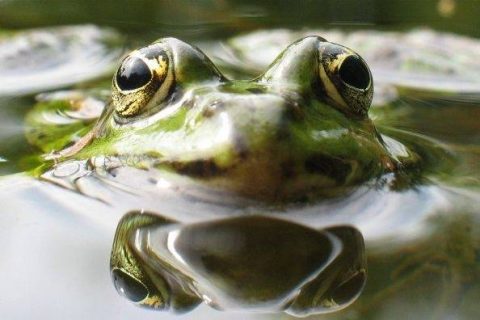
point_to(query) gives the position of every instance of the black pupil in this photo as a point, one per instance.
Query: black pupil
(354, 72)
(133, 74)
(129, 287)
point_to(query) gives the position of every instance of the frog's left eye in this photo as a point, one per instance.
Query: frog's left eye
(142, 81)
(345, 77)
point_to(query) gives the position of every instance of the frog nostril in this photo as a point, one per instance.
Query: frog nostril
(354, 72)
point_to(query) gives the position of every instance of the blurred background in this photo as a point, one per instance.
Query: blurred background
(149, 19)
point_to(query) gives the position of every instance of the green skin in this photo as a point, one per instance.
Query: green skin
(281, 136)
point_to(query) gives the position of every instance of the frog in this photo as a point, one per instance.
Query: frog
(214, 148)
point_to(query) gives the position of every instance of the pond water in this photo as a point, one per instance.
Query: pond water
(422, 241)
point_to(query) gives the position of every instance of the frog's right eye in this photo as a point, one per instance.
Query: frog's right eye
(128, 286)
(142, 81)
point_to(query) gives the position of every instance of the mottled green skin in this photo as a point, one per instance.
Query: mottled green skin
(271, 137)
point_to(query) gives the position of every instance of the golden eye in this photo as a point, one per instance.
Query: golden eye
(142, 82)
(346, 78)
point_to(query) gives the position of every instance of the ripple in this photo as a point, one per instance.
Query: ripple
(42, 59)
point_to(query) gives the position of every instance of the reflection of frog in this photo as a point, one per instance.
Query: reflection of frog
(249, 263)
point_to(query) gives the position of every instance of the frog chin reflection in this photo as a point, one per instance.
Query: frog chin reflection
(253, 263)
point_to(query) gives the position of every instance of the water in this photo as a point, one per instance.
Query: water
(422, 243)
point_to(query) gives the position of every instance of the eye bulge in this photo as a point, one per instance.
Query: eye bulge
(145, 78)
(142, 81)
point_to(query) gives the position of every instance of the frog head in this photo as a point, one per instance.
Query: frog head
(299, 129)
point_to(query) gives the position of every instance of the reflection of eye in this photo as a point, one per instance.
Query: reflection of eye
(128, 286)
(354, 73)
(142, 82)
(133, 74)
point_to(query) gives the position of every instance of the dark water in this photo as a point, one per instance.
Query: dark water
(55, 247)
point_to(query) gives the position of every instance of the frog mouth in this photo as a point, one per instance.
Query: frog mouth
(318, 163)
(199, 168)
(267, 179)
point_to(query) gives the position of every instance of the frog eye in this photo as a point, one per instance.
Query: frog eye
(345, 77)
(142, 81)
(133, 74)
(128, 286)
(354, 72)
(131, 277)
